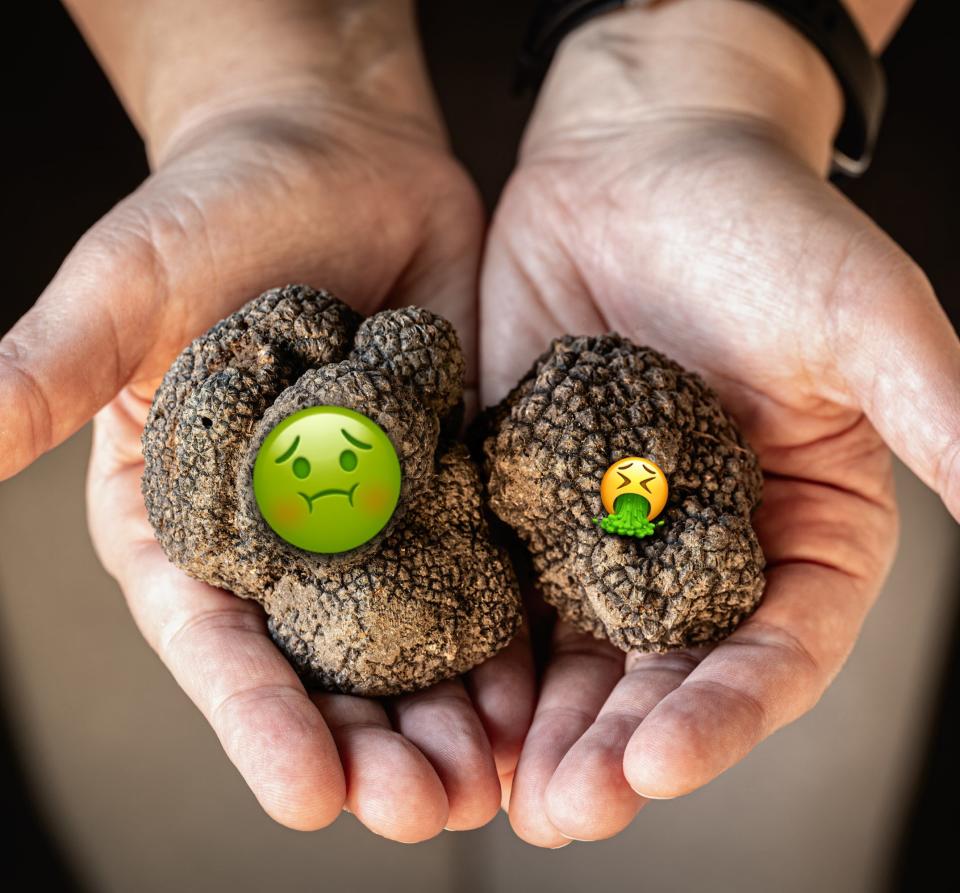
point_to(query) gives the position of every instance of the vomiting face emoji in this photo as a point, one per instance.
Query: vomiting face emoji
(327, 479)
(633, 491)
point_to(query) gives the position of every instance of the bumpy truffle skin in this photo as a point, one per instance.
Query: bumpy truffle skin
(430, 596)
(587, 402)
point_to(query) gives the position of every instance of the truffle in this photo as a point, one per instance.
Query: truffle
(587, 402)
(428, 597)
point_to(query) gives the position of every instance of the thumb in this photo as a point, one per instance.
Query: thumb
(90, 330)
(900, 359)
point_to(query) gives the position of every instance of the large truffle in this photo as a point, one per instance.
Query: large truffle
(427, 598)
(586, 403)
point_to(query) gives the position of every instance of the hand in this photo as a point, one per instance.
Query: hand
(277, 184)
(684, 206)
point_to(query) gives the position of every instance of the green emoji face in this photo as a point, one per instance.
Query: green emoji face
(327, 479)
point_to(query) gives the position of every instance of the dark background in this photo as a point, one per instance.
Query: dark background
(70, 153)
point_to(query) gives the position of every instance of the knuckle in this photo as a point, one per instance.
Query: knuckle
(871, 279)
(563, 714)
(122, 243)
(787, 644)
(231, 710)
(906, 278)
(794, 661)
(681, 663)
(31, 412)
(183, 633)
(135, 242)
(947, 475)
(736, 701)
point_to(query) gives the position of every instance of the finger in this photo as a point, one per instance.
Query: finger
(442, 723)
(801, 523)
(828, 551)
(900, 359)
(86, 334)
(503, 691)
(588, 797)
(391, 787)
(581, 673)
(217, 648)
(770, 671)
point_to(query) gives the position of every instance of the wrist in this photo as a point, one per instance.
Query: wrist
(715, 60)
(178, 65)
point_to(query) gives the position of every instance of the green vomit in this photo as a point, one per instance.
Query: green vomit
(629, 517)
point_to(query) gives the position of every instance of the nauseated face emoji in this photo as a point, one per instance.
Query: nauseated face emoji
(633, 491)
(327, 479)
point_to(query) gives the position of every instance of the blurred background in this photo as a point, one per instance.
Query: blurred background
(114, 781)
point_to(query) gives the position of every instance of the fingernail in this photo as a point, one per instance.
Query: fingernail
(651, 796)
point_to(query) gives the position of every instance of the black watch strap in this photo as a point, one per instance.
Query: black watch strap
(825, 23)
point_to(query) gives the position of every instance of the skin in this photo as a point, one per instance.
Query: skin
(697, 219)
(319, 157)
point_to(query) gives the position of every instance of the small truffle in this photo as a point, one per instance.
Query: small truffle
(430, 596)
(587, 402)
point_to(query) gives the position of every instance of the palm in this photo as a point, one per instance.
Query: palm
(737, 262)
(365, 210)
(266, 202)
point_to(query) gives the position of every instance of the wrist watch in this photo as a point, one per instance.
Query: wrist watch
(825, 23)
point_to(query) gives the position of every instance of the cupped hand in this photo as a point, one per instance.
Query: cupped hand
(708, 232)
(286, 187)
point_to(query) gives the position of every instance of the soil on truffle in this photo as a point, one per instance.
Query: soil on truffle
(585, 403)
(431, 595)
